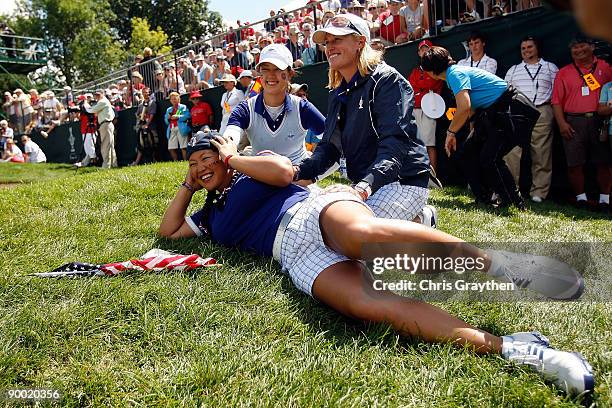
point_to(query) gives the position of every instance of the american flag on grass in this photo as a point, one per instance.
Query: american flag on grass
(155, 260)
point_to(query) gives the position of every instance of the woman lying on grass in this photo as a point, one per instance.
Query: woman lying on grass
(317, 236)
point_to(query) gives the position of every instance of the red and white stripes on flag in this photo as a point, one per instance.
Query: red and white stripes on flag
(155, 260)
(158, 263)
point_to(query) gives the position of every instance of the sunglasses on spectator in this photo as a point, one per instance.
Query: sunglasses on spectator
(342, 22)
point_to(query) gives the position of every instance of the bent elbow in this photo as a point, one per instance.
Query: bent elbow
(165, 233)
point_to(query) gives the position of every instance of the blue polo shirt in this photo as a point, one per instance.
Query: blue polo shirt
(251, 215)
(484, 87)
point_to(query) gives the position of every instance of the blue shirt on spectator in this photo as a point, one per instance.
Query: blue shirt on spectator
(250, 218)
(484, 87)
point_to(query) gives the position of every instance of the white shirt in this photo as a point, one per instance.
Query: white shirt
(16, 151)
(413, 18)
(8, 133)
(103, 109)
(333, 5)
(34, 152)
(487, 63)
(229, 100)
(534, 80)
(51, 103)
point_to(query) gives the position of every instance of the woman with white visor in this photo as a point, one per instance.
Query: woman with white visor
(370, 127)
(276, 120)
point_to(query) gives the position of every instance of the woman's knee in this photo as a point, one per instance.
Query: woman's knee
(361, 229)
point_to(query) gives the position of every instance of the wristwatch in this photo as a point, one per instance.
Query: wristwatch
(363, 188)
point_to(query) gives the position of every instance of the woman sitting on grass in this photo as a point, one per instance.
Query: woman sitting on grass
(12, 153)
(317, 237)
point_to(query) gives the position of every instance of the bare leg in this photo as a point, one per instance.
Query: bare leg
(604, 178)
(346, 226)
(173, 154)
(138, 157)
(184, 151)
(576, 179)
(433, 157)
(346, 288)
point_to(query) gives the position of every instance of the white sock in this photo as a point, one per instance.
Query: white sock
(581, 197)
(506, 347)
(604, 198)
(497, 262)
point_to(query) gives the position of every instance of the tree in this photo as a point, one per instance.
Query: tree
(142, 36)
(86, 39)
(179, 19)
(9, 82)
(95, 53)
(60, 22)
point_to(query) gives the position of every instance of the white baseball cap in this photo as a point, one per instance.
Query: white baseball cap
(342, 24)
(277, 54)
(245, 73)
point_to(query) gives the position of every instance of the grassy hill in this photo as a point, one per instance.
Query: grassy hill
(241, 334)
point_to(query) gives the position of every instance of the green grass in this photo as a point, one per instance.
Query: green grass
(14, 173)
(241, 334)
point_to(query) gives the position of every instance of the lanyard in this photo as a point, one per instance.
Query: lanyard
(477, 64)
(581, 75)
(228, 95)
(533, 79)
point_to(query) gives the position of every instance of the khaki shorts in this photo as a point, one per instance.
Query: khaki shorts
(176, 140)
(426, 128)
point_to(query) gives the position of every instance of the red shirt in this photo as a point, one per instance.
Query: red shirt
(200, 114)
(391, 30)
(173, 122)
(567, 89)
(85, 122)
(422, 84)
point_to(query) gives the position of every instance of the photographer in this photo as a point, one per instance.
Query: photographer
(89, 126)
(147, 134)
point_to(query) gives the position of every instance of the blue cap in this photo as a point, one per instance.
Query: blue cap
(201, 141)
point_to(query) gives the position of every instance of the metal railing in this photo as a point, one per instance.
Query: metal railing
(148, 68)
(166, 73)
(20, 48)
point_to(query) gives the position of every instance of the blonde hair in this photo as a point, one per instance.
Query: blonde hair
(369, 58)
(174, 94)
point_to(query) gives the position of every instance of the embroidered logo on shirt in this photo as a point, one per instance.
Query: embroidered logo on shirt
(361, 103)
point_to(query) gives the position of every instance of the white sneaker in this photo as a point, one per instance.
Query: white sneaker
(536, 199)
(429, 216)
(527, 337)
(568, 371)
(548, 276)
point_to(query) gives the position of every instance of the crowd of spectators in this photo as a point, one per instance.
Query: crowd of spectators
(230, 61)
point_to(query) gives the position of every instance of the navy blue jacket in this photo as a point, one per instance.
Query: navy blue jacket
(379, 139)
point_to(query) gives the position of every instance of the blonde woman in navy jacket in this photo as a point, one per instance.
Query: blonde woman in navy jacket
(370, 127)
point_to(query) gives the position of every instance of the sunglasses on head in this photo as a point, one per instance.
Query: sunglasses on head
(342, 22)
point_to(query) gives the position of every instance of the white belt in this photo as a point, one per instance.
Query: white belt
(280, 233)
